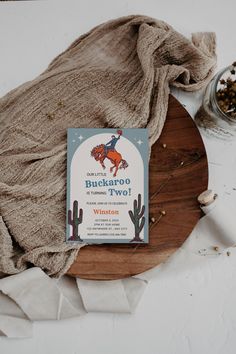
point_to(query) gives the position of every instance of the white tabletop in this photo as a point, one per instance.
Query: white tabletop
(193, 310)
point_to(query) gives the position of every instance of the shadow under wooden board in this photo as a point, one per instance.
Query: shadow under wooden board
(178, 173)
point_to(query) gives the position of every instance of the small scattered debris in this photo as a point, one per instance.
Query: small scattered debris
(181, 163)
(216, 249)
(50, 115)
(164, 146)
(153, 219)
(202, 252)
(61, 103)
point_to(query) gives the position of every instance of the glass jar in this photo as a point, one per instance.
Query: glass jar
(210, 116)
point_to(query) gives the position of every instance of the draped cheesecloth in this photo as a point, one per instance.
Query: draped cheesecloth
(117, 75)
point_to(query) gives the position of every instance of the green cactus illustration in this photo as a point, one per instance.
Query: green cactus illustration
(75, 221)
(136, 215)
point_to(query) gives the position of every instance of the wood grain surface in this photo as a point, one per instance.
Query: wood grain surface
(178, 172)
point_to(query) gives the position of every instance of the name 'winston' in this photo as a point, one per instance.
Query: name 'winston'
(109, 211)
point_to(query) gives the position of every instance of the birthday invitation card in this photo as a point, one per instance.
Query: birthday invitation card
(107, 185)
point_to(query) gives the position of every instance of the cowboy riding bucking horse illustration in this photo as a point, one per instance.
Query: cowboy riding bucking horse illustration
(108, 151)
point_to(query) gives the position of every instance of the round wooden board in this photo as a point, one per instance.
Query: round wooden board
(177, 174)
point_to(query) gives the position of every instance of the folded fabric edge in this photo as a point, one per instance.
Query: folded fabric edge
(13, 327)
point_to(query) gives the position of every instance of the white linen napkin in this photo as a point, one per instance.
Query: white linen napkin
(32, 295)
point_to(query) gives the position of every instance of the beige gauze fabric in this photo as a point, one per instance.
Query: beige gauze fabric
(117, 75)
